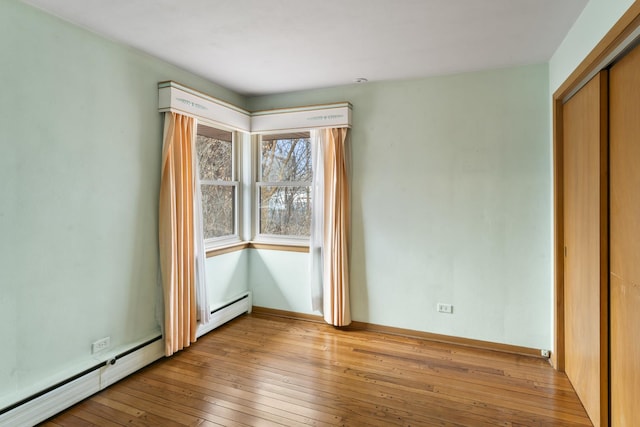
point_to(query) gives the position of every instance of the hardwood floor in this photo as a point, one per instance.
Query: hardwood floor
(262, 370)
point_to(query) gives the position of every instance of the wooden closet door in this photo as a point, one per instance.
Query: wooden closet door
(625, 239)
(585, 238)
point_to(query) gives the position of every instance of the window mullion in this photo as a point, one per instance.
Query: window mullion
(284, 183)
(220, 183)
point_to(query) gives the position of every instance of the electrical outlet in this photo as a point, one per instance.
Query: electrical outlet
(101, 344)
(445, 308)
(545, 353)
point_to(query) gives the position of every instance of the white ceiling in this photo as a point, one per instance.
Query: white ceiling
(259, 47)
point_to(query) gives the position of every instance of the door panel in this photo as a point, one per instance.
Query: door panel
(585, 237)
(624, 104)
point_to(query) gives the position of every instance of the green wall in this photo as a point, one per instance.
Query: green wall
(451, 179)
(227, 277)
(80, 147)
(280, 280)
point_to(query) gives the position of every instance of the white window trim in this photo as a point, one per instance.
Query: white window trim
(274, 239)
(236, 173)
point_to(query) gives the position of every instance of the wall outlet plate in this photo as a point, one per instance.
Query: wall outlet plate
(101, 344)
(545, 353)
(445, 308)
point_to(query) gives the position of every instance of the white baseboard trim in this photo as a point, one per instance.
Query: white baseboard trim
(240, 305)
(68, 393)
(127, 365)
(44, 406)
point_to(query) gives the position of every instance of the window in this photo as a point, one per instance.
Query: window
(284, 186)
(218, 182)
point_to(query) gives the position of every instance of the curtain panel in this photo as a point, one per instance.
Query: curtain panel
(177, 233)
(202, 299)
(316, 237)
(330, 226)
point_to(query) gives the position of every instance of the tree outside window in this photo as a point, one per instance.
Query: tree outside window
(284, 185)
(218, 182)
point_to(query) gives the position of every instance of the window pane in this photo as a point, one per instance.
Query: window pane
(218, 210)
(285, 211)
(215, 151)
(286, 158)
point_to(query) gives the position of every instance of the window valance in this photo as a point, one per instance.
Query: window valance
(175, 97)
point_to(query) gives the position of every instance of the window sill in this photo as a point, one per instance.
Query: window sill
(225, 249)
(287, 247)
(238, 246)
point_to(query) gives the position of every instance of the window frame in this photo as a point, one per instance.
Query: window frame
(265, 238)
(235, 182)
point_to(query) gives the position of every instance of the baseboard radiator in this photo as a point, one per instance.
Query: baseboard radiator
(58, 397)
(49, 402)
(229, 311)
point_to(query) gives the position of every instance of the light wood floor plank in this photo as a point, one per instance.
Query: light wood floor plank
(303, 384)
(261, 370)
(462, 374)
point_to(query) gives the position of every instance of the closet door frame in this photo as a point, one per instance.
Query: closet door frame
(622, 35)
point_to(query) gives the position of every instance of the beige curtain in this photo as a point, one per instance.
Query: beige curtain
(337, 214)
(177, 234)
